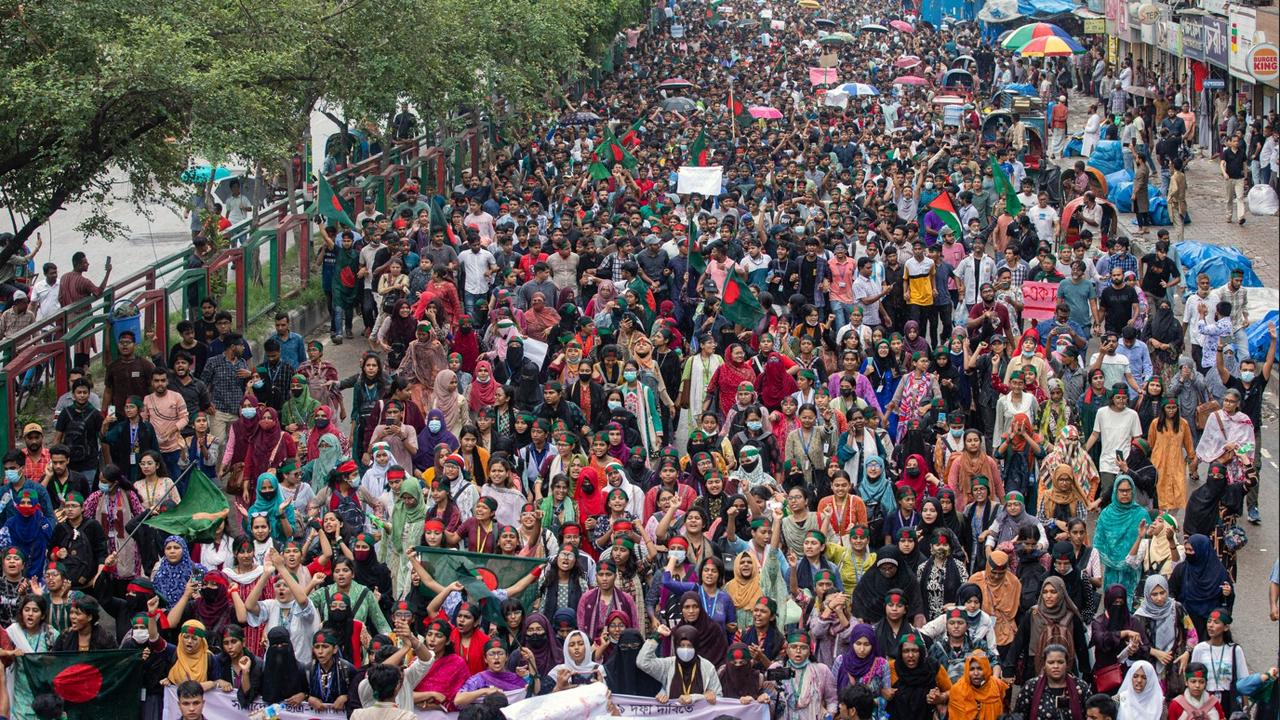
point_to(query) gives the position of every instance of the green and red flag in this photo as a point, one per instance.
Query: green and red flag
(740, 114)
(1004, 188)
(598, 171)
(631, 138)
(611, 152)
(329, 205)
(945, 208)
(737, 304)
(699, 153)
(713, 13)
(202, 507)
(97, 685)
(481, 574)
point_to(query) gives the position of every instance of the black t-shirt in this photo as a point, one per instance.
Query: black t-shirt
(1117, 306)
(1250, 397)
(1235, 160)
(1155, 271)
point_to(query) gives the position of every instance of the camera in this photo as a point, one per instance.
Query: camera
(781, 673)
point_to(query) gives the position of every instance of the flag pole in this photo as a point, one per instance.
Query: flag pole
(733, 121)
(141, 521)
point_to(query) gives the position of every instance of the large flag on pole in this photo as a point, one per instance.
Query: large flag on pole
(96, 685)
(610, 151)
(481, 574)
(1004, 188)
(945, 209)
(202, 506)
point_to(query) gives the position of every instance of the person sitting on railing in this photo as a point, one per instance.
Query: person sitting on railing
(19, 315)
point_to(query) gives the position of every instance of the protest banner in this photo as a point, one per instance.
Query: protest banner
(1038, 300)
(705, 181)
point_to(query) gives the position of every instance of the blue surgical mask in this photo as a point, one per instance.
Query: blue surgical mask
(1247, 375)
(615, 405)
(104, 487)
(754, 425)
(957, 432)
(249, 413)
(433, 426)
(629, 375)
(258, 384)
(11, 476)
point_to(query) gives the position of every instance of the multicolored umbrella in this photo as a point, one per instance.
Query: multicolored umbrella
(902, 25)
(1025, 34)
(910, 80)
(1051, 47)
(763, 112)
(906, 62)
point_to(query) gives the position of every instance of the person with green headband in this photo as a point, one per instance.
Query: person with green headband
(1114, 428)
(405, 533)
(809, 690)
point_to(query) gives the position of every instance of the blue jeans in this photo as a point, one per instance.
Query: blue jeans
(470, 300)
(840, 311)
(171, 463)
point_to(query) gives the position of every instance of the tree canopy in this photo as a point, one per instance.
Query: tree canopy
(96, 86)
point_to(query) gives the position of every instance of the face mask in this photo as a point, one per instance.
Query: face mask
(686, 654)
(913, 472)
(615, 405)
(340, 616)
(584, 377)
(362, 555)
(139, 635)
(104, 487)
(11, 475)
(957, 432)
(535, 642)
(928, 186)
(26, 510)
(433, 426)
(249, 413)
(677, 555)
(1247, 375)
(1028, 353)
(629, 375)
(754, 425)
(321, 422)
(296, 392)
(258, 384)
(209, 594)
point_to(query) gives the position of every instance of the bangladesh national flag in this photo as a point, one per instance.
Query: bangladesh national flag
(737, 304)
(329, 205)
(202, 506)
(1004, 188)
(631, 138)
(945, 208)
(97, 685)
(740, 114)
(699, 153)
(598, 171)
(481, 574)
(610, 152)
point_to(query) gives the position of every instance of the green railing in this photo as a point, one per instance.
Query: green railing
(261, 255)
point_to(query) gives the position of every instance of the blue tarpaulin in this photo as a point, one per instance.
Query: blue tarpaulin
(1217, 261)
(1045, 8)
(1259, 338)
(1107, 157)
(1074, 147)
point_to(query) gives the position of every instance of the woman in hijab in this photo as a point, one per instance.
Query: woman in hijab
(881, 370)
(329, 453)
(919, 681)
(710, 635)
(744, 588)
(369, 571)
(1118, 527)
(433, 434)
(862, 662)
(977, 702)
(876, 491)
(539, 319)
(1012, 517)
(270, 505)
(1055, 412)
(1163, 335)
(407, 517)
(622, 674)
(970, 463)
(726, 380)
(1053, 620)
(912, 342)
(192, 659)
(282, 679)
(1201, 582)
(299, 408)
(436, 690)
(1067, 450)
(1167, 628)
(269, 446)
(1078, 589)
(423, 360)
(483, 389)
(447, 400)
(684, 675)
(173, 571)
(1149, 403)
(1140, 696)
(535, 635)
(1063, 501)
(576, 664)
(1114, 629)
(739, 678)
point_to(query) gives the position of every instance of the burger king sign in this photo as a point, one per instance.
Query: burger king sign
(1264, 63)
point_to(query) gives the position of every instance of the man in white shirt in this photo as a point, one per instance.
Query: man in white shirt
(44, 294)
(1044, 218)
(1191, 314)
(1115, 427)
(478, 266)
(974, 271)
(237, 206)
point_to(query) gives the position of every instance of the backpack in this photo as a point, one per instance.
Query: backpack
(76, 433)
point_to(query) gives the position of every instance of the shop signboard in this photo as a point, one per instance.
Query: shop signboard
(1148, 33)
(1217, 7)
(1192, 37)
(1264, 63)
(1095, 26)
(1243, 22)
(1169, 37)
(1215, 40)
